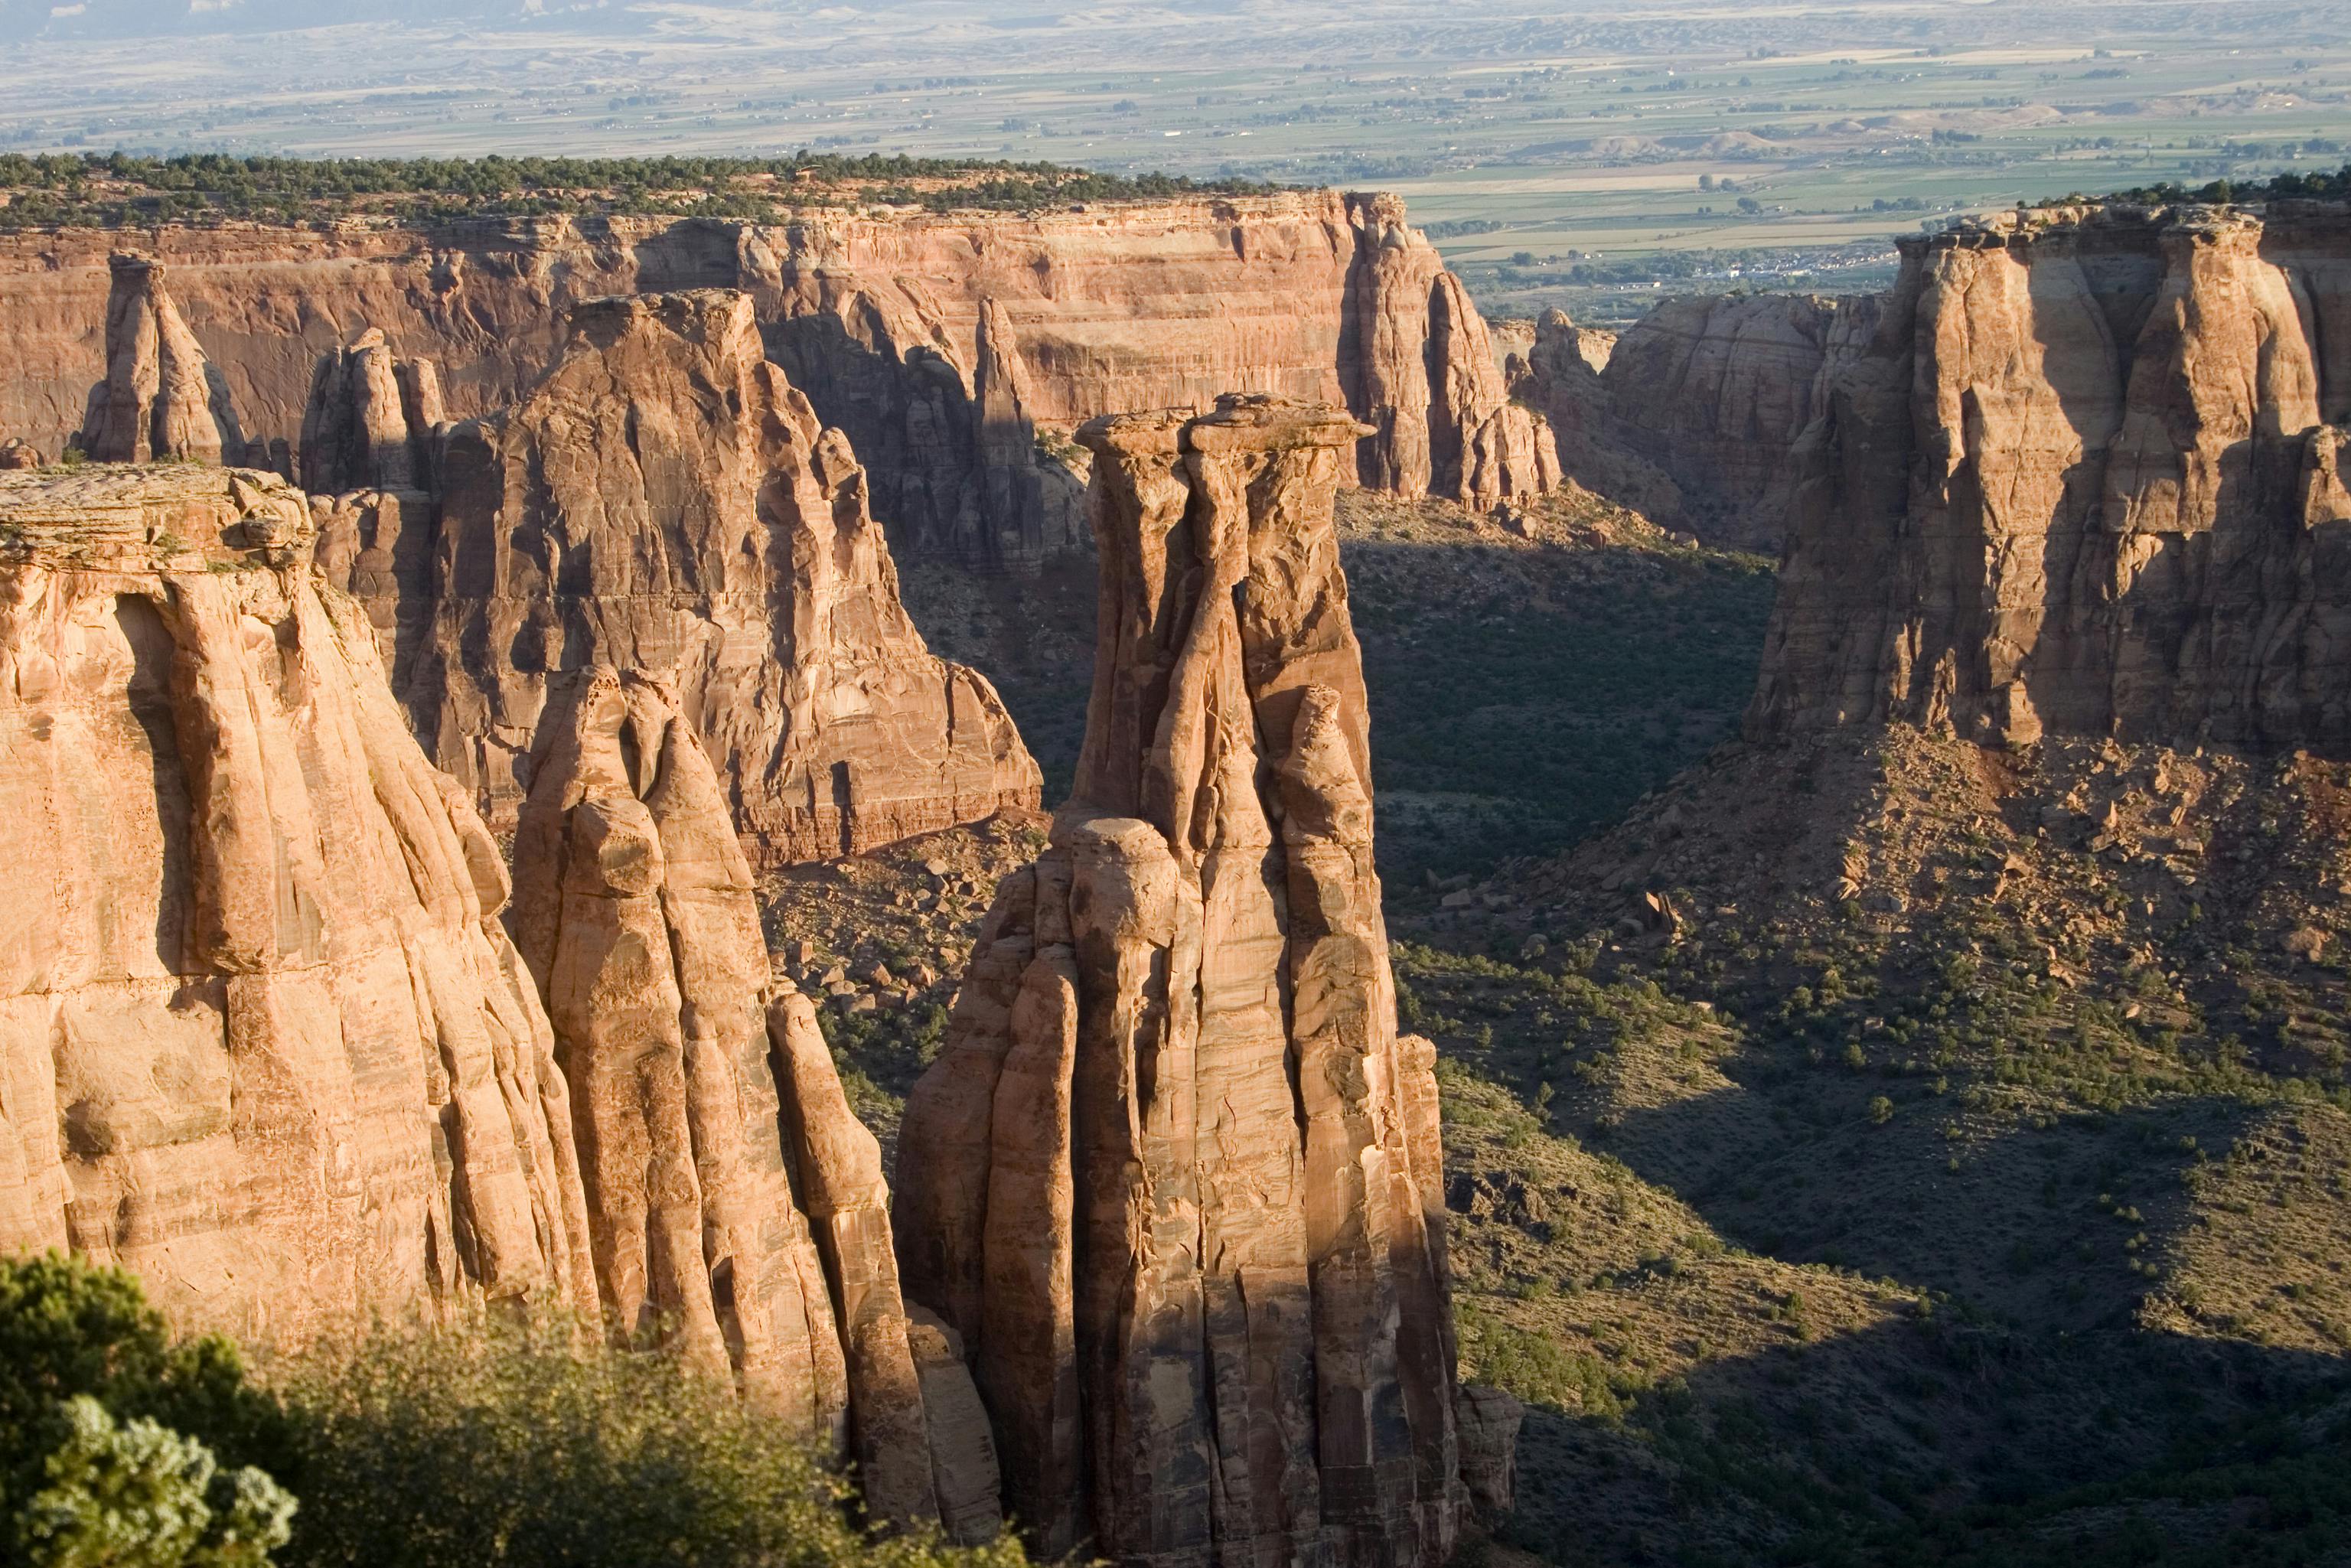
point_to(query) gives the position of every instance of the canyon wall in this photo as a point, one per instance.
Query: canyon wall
(264, 1041)
(262, 1038)
(1175, 1179)
(1689, 416)
(664, 502)
(941, 344)
(2083, 475)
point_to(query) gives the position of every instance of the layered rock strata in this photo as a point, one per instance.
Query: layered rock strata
(1173, 1178)
(1691, 415)
(2083, 477)
(732, 1198)
(262, 1038)
(159, 397)
(664, 502)
(945, 346)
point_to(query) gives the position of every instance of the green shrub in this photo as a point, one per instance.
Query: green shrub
(500, 1443)
(496, 1442)
(134, 1494)
(113, 1435)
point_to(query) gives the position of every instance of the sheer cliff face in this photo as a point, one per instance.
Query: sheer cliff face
(664, 502)
(1207, 1303)
(2084, 478)
(938, 344)
(262, 1038)
(1689, 416)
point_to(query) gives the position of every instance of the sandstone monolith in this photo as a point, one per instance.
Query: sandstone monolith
(2081, 477)
(161, 397)
(733, 1200)
(369, 420)
(1170, 1176)
(633, 910)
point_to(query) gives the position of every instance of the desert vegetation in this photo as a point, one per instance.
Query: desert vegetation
(497, 1439)
(115, 189)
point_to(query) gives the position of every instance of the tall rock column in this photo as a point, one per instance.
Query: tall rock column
(368, 435)
(732, 1197)
(1383, 339)
(1418, 365)
(159, 397)
(1168, 1178)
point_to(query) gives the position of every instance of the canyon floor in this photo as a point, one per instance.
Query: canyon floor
(1875, 1151)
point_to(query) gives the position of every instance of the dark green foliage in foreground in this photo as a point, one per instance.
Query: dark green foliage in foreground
(498, 1443)
(117, 190)
(505, 1443)
(113, 1434)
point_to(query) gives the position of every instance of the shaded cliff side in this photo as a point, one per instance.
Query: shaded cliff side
(939, 343)
(1689, 416)
(2082, 476)
(663, 501)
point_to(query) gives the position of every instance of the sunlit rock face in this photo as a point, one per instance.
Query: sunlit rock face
(1175, 1179)
(160, 397)
(664, 502)
(263, 1039)
(955, 350)
(2083, 477)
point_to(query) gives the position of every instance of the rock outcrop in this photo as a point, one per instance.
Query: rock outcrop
(265, 1040)
(664, 502)
(262, 1038)
(2083, 477)
(1416, 363)
(1691, 415)
(731, 1195)
(955, 350)
(159, 397)
(1173, 1178)
(369, 421)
